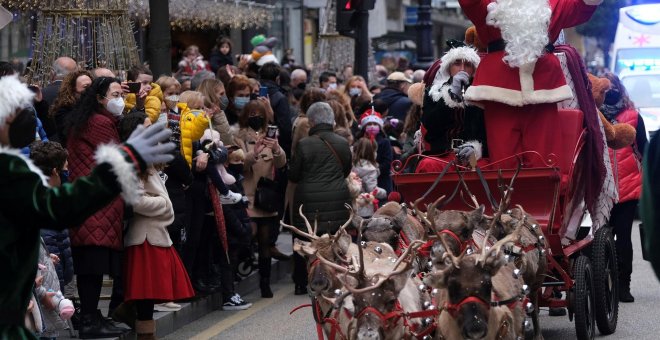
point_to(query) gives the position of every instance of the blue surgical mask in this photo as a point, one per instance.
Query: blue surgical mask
(355, 91)
(224, 102)
(240, 102)
(64, 176)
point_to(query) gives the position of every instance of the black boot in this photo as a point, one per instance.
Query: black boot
(93, 327)
(624, 290)
(264, 280)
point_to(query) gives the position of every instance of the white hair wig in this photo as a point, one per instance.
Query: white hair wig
(524, 27)
(14, 95)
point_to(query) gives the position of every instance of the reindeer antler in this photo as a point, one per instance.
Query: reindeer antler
(422, 216)
(334, 265)
(345, 225)
(513, 237)
(430, 211)
(307, 224)
(299, 232)
(461, 180)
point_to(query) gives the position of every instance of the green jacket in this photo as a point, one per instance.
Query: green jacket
(650, 202)
(321, 179)
(26, 205)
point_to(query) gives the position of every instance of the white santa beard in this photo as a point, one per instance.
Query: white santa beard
(524, 27)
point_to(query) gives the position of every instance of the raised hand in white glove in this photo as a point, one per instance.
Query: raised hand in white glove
(466, 154)
(459, 81)
(147, 143)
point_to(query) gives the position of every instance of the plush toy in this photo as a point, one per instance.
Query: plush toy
(366, 205)
(617, 135)
(472, 39)
(354, 184)
(263, 49)
(416, 93)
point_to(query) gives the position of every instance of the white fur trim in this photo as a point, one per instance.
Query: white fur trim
(478, 147)
(17, 153)
(475, 94)
(593, 2)
(459, 53)
(125, 171)
(13, 95)
(444, 91)
(371, 119)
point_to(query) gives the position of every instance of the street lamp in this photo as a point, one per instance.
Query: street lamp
(424, 27)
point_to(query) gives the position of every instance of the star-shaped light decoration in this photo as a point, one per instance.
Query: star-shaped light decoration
(641, 40)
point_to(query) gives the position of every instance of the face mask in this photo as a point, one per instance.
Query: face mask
(173, 98)
(302, 86)
(256, 123)
(372, 130)
(64, 176)
(115, 106)
(240, 102)
(235, 169)
(332, 86)
(224, 102)
(355, 92)
(612, 97)
(23, 129)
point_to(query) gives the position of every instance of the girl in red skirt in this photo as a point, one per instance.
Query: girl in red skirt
(153, 269)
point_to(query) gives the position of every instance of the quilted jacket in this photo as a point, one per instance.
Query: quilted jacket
(105, 227)
(58, 243)
(627, 163)
(192, 128)
(151, 103)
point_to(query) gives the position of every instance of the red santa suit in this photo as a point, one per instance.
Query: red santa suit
(520, 102)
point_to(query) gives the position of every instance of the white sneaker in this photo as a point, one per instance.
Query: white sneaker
(236, 303)
(231, 198)
(167, 307)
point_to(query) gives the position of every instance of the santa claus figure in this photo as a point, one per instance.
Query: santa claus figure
(519, 80)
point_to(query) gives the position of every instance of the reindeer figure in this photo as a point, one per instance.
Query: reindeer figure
(382, 290)
(392, 224)
(324, 287)
(483, 295)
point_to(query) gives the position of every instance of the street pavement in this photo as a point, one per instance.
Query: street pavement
(270, 319)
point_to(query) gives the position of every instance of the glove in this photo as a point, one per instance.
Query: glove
(147, 143)
(465, 153)
(459, 81)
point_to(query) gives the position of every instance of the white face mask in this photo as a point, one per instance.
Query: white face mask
(115, 106)
(332, 86)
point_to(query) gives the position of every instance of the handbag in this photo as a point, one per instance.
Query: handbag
(266, 196)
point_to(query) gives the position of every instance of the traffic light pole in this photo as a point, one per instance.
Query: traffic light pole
(362, 43)
(424, 27)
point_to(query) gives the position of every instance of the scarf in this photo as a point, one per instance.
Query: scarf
(611, 111)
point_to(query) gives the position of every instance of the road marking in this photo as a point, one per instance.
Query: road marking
(223, 325)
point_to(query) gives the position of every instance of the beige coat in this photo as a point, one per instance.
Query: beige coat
(253, 170)
(221, 124)
(152, 214)
(300, 130)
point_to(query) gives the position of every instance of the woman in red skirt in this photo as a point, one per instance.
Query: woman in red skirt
(153, 270)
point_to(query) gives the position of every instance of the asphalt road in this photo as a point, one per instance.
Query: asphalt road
(270, 319)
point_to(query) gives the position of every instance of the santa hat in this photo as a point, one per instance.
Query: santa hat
(13, 95)
(466, 53)
(371, 116)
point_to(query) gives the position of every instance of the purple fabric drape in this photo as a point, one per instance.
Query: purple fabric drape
(594, 148)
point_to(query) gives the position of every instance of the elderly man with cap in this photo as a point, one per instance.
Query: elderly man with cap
(395, 95)
(27, 203)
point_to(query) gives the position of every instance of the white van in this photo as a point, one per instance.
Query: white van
(637, 41)
(643, 87)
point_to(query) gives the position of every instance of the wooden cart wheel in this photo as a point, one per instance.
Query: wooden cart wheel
(606, 285)
(584, 299)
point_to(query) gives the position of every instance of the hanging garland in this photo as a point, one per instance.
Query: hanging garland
(184, 14)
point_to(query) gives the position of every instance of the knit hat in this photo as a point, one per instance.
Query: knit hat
(257, 40)
(13, 95)
(371, 116)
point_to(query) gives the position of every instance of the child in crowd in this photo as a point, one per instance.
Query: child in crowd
(193, 62)
(186, 127)
(154, 271)
(371, 126)
(221, 54)
(150, 96)
(50, 157)
(194, 100)
(366, 167)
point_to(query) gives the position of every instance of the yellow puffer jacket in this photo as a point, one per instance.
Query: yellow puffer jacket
(192, 129)
(151, 103)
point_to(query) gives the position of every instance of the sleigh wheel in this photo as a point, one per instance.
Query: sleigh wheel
(606, 285)
(584, 299)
